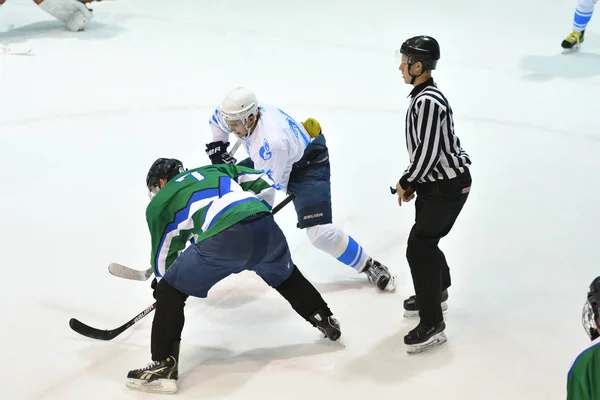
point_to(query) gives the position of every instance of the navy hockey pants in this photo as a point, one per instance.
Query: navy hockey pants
(254, 244)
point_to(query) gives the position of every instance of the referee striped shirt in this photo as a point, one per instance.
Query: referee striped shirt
(434, 149)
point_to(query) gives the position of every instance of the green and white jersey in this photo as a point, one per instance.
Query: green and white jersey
(583, 381)
(200, 203)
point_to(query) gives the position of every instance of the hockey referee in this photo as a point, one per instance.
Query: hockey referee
(438, 174)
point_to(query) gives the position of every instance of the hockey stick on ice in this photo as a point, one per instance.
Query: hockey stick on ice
(100, 334)
(123, 271)
(15, 48)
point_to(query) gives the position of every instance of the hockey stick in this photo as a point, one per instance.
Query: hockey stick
(235, 147)
(15, 48)
(283, 203)
(99, 334)
(123, 271)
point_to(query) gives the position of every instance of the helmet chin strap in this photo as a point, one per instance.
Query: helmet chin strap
(248, 132)
(414, 77)
(251, 129)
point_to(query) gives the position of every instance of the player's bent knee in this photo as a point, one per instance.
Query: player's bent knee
(327, 237)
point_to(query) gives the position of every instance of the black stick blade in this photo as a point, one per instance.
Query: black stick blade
(93, 333)
(100, 334)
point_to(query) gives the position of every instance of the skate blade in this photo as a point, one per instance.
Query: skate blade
(391, 286)
(573, 49)
(166, 386)
(411, 314)
(338, 340)
(434, 341)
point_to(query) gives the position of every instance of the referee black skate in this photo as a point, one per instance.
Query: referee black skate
(438, 175)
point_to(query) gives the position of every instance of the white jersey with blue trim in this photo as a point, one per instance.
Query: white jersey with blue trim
(276, 143)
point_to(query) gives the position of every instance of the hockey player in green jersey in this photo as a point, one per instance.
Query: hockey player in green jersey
(583, 381)
(224, 211)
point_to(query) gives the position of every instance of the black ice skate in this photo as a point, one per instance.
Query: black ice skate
(157, 377)
(411, 307)
(379, 275)
(573, 41)
(424, 337)
(328, 325)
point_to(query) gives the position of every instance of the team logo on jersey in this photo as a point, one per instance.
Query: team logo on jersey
(265, 152)
(294, 127)
(268, 172)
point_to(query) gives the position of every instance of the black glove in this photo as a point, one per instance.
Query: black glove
(153, 286)
(217, 151)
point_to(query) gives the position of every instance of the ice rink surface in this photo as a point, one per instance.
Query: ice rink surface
(83, 117)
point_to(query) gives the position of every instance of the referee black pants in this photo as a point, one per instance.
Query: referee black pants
(437, 207)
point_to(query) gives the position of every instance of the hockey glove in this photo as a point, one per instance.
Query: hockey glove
(217, 152)
(153, 286)
(313, 127)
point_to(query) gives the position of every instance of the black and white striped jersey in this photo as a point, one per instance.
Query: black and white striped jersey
(434, 149)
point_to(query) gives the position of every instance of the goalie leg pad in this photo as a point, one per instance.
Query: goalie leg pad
(74, 14)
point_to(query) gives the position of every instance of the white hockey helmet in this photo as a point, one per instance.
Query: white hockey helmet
(239, 105)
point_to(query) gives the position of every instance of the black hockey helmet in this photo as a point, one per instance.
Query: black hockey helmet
(163, 168)
(591, 309)
(421, 48)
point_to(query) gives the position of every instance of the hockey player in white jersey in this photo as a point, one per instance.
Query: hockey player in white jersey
(73, 13)
(299, 164)
(582, 16)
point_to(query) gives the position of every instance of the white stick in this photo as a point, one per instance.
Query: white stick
(129, 273)
(16, 48)
(137, 275)
(235, 147)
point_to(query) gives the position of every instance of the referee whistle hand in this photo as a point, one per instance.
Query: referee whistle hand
(409, 194)
(404, 195)
(400, 193)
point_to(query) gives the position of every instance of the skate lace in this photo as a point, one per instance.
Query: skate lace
(149, 366)
(574, 37)
(375, 270)
(421, 330)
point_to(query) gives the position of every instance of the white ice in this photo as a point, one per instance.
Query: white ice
(83, 117)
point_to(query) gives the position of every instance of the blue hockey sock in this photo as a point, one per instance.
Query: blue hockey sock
(353, 256)
(581, 19)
